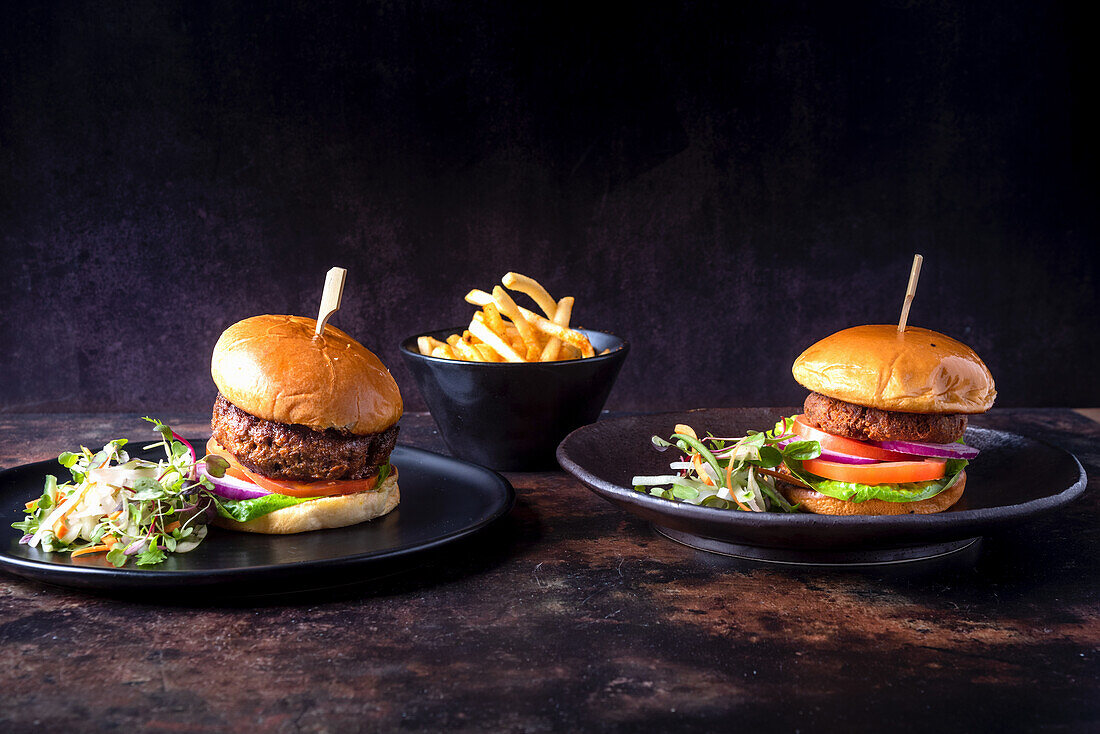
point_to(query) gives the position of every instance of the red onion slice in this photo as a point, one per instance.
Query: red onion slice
(835, 456)
(232, 488)
(846, 458)
(932, 450)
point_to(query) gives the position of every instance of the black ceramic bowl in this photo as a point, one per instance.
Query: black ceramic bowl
(511, 417)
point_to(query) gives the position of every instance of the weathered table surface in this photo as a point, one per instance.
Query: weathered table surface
(569, 616)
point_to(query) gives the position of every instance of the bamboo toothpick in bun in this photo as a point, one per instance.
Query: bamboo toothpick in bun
(330, 297)
(910, 292)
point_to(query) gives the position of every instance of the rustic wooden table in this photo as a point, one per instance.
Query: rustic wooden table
(570, 615)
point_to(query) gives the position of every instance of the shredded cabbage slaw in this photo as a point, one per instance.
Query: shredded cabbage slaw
(128, 508)
(728, 473)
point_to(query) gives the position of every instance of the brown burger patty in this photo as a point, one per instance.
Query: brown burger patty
(873, 424)
(286, 451)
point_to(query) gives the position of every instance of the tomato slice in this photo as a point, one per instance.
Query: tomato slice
(887, 472)
(842, 445)
(320, 488)
(235, 472)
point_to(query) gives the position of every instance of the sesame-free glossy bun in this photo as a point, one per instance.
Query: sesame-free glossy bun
(820, 504)
(276, 369)
(914, 371)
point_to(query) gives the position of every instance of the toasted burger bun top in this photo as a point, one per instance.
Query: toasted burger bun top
(820, 504)
(915, 371)
(276, 369)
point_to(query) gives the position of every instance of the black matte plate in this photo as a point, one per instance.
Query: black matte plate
(1013, 479)
(442, 500)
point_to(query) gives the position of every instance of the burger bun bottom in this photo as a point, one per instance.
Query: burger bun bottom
(820, 504)
(324, 512)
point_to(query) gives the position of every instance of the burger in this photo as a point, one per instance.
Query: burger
(889, 410)
(304, 426)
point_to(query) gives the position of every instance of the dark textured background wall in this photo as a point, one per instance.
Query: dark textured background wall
(721, 186)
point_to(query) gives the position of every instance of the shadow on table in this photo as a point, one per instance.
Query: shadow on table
(964, 560)
(1010, 566)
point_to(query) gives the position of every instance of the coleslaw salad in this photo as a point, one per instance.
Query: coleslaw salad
(129, 508)
(728, 473)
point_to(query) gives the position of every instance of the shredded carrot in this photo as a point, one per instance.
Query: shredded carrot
(114, 514)
(729, 483)
(109, 541)
(91, 549)
(33, 504)
(61, 520)
(685, 430)
(171, 526)
(698, 462)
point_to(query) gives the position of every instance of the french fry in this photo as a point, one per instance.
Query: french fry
(568, 351)
(503, 331)
(562, 315)
(532, 288)
(487, 335)
(487, 353)
(466, 351)
(569, 336)
(509, 308)
(478, 298)
(493, 319)
(506, 331)
(427, 344)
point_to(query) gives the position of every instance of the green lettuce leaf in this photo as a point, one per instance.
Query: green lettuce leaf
(854, 492)
(383, 472)
(245, 510)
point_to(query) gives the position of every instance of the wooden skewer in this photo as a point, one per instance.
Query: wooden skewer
(910, 292)
(330, 299)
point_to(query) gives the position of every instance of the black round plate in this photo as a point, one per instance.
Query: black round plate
(1014, 478)
(442, 500)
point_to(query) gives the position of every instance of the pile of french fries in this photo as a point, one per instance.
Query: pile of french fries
(503, 331)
